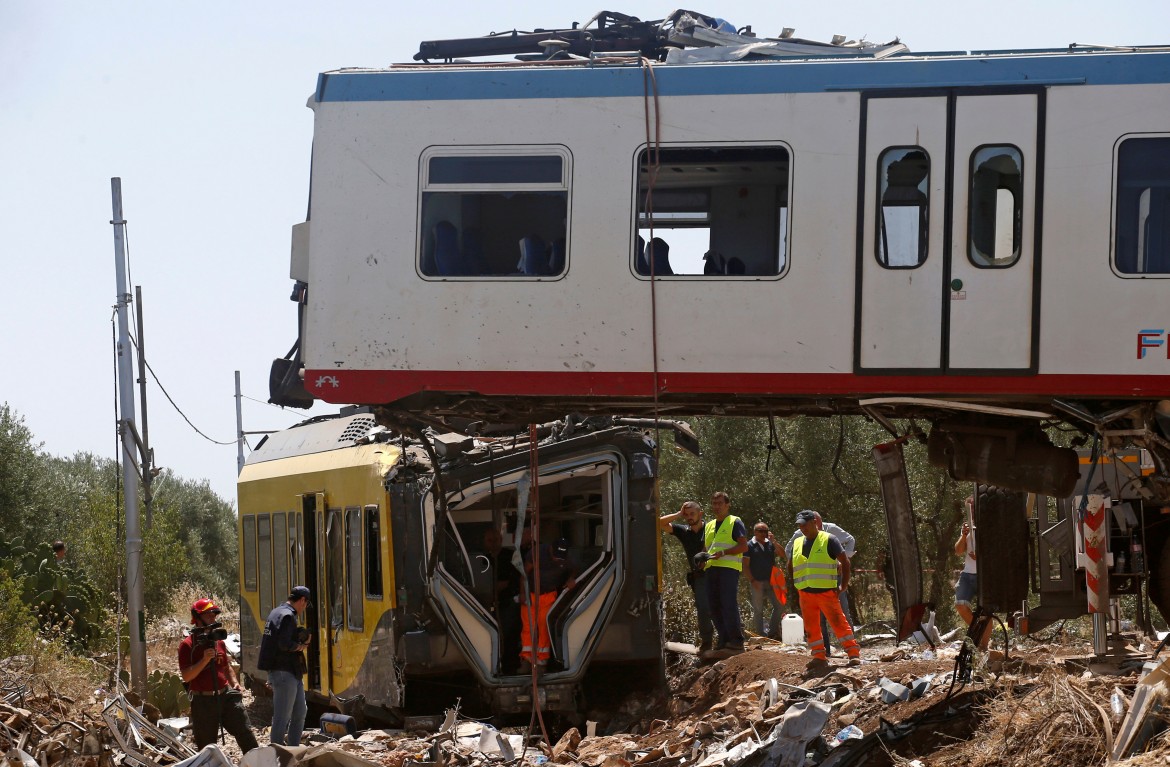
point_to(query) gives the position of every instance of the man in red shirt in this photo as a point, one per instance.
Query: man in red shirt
(216, 697)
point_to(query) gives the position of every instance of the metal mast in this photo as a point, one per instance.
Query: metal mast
(126, 430)
(239, 427)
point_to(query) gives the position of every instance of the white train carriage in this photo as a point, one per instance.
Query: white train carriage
(901, 234)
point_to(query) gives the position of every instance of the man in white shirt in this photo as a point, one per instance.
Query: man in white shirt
(968, 584)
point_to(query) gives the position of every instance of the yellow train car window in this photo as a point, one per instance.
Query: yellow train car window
(373, 553)
(249, 524)
(353, 568)
(280, 585)
(264, 561)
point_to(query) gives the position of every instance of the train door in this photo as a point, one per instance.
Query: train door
(333, 597)
(311, 522)
(947, 260)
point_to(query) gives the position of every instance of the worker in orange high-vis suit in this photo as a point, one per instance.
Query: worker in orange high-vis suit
(556, 573)
(816, 558)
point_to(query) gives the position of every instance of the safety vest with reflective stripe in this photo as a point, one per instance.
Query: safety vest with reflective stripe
(816, 571)
(717, 537)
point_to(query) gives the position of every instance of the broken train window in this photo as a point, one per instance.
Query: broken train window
(995, 206)
(903, 207)
(493, 212)
(715, 211)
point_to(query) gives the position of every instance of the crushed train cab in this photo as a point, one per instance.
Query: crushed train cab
(389, 534)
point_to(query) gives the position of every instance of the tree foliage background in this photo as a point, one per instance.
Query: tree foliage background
(816, 463)
(191, 537)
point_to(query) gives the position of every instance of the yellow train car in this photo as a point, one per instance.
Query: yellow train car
(408, 610)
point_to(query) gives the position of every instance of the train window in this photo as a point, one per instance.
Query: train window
(264, 561)
(1142, 227)
(712, 211)
(280, 585)
(373, 553)
(995, 206)
(495, 213)
(335, 545)
(353, 569)
(904, 207)
(249, 525)
(294, 548)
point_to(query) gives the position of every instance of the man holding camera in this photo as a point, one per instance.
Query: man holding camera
(216, 697)
(282, 656)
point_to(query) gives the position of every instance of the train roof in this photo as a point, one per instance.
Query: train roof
(317, 435)
(616, 77)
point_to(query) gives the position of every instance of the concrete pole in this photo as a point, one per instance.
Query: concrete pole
(239, 428)
(147, 455)
(136, 614)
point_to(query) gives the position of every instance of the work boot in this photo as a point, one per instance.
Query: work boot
(705, 646)
(733, 649)
(854, 661)
(818, 664)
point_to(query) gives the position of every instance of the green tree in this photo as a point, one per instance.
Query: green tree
(820, 463)
(192, 536)
(23, 481)
(205, 525)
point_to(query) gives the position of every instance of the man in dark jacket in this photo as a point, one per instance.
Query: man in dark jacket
(282, 656)
(216, 697)
(689, 533)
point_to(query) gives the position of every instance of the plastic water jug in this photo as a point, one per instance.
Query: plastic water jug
(792, 629)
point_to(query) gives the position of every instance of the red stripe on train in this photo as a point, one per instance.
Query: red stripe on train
(378, 386)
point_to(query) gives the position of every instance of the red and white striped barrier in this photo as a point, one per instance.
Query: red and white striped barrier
(1094, 528)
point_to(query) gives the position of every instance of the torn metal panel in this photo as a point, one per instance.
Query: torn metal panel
(903, 535)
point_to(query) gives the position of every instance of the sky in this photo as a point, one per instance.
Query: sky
(200, 109)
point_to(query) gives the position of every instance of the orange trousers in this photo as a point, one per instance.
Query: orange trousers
(534, 628)
(811, 607)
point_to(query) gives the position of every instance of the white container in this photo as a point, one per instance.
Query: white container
(792, 629)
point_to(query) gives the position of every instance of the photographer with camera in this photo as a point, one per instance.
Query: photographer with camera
(216, 697)
(282, 656)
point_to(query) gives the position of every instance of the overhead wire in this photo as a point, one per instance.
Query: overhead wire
(175, 405)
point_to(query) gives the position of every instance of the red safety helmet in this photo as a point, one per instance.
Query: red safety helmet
(201, 606)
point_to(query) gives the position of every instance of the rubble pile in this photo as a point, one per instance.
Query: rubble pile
(52, 729)
(1046, 705)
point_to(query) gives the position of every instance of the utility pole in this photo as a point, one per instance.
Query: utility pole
(147, 471)
(239, 427)
(134, 579)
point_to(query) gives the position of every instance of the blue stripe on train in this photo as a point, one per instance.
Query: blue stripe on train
(746, 78)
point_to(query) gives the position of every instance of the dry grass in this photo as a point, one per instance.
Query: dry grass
(52, 670)
(1055, 721)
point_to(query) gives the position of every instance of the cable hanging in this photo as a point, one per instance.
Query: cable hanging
(178, 410)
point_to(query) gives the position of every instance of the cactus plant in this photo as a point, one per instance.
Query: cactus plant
(64, 601)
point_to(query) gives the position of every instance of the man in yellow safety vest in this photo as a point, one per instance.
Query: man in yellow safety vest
(816, 558)
(725, 539)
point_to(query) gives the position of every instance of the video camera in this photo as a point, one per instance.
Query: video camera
(303, 635)
(207, 636)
